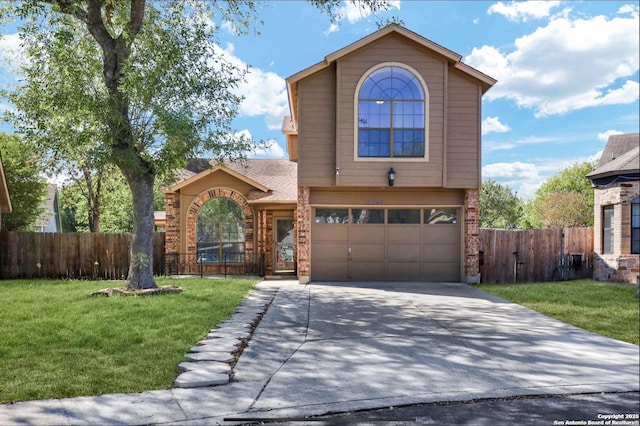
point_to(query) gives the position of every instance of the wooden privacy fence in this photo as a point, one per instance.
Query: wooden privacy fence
(73, 255)
(508, 256)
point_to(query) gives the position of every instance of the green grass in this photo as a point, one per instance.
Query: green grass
(604, 308)
(57, 341)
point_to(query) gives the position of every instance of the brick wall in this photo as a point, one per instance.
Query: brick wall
(304, 235)
(173, 231)
(471, 236)
(620, 265)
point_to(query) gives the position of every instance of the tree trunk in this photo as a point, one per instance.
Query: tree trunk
(141, 253)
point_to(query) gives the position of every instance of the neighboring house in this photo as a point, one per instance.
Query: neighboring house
(382, 180)
(616, 182)
(50, 220)
(5, 201)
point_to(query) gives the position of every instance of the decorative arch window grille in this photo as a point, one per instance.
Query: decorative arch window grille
(391, 114)
(220, 232)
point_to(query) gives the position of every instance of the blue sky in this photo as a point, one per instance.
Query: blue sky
(567, 72)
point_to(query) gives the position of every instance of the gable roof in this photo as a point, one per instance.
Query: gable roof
(453, 58)
(621, 156)
(273, 180)
(5, 200)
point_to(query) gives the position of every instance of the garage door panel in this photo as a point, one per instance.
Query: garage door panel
(392, 252)
(330, 233)
(403, 271)
(441, 252)
(407, 252)
(373, 271)
(367, 233)
(441, 271)
(329, 270)
(403, 233)
(367, 251)
(439, 234)
(328, 251)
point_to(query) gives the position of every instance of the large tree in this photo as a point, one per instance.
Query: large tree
(27, 187)
(565, 199)
(500, 207)
(140, 85)
(130, 83)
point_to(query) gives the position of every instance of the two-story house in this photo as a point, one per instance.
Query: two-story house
(382, 180)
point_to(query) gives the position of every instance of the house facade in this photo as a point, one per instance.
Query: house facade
(50, 221)
(616, 182)
(382, 180)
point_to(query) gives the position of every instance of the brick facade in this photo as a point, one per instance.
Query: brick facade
(173, 230)
(471, 236)
(304, 235)
(620, 265)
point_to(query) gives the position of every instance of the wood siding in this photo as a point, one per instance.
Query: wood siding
(463, 127)
(326, 105)
(350, 70)
(387, 197)
(316, 129)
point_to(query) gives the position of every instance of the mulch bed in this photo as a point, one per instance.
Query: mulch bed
(123, 291)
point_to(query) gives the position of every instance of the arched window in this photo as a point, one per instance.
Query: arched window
(220, 232)
(391, 114)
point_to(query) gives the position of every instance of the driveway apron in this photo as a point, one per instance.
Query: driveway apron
(329, 347)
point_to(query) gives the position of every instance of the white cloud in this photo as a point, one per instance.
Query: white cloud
(516, 170)
(356, 11)
(568, 64)
(604, 137)
(523, 10)
(10, 51)
(271, 150)
(493, 125)
(528, 140)
(264, 92)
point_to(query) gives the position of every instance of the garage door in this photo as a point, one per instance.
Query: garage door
(386, 244)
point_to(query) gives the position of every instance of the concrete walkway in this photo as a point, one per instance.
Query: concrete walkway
(328, 348)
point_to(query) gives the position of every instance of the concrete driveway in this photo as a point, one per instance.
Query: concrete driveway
(329, 347)
(337, 347)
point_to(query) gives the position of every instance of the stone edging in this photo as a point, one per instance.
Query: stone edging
(212, 361)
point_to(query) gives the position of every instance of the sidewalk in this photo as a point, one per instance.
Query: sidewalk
(329, 348)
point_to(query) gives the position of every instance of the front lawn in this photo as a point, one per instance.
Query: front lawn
(604, 308)
(57, 341)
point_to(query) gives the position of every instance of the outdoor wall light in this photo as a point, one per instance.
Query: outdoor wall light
(392, 176)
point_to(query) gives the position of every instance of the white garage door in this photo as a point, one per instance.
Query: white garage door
(386, 244)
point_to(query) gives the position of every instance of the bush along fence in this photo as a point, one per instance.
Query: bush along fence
(72, 255)
(512, 256)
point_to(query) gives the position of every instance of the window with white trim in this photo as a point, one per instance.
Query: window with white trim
(391, 115)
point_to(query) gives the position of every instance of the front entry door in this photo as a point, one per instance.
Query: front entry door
(285, 246)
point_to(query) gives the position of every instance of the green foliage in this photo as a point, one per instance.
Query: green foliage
(604, 308)
(115, 203)
(564, 200)
(58, 342)
(27, 188)
(499, 206)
